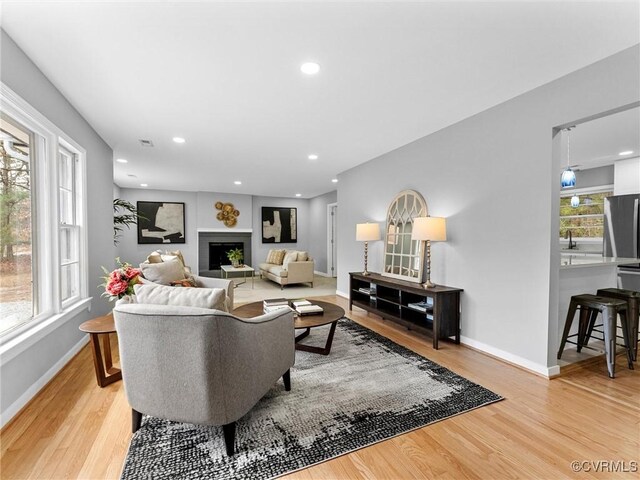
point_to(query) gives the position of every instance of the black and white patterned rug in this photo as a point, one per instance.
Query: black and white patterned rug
(367, 390)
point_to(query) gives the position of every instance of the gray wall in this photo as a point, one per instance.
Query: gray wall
(260, 249)
(24, 78)
(493, 178)
(318, 228)
(594, 177)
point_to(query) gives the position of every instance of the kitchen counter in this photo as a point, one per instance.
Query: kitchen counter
(581, 260)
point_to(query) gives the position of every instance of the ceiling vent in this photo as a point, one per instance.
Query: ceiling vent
(145, 143)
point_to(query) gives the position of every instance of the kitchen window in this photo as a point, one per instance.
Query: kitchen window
(586, 221)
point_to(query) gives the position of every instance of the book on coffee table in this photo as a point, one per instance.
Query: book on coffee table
(276, 308)
(271, 302)
(309, 310)
(300, 302)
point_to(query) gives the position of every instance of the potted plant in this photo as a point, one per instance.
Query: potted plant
(235, 256)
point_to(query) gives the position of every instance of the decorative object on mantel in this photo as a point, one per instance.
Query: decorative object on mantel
(286, 431)
(228, 214)
(429, 229)
(235, 256)
(403, 257)
(119, 283)
(161, 222)
(568, 178)
(279, 225)
(367, 232)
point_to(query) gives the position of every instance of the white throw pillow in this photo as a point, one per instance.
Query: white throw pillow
(303, 256)
(289, 257)
(163, 273)
(213, 298)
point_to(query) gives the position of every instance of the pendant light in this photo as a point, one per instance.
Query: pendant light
(575, 201)
(568, 178)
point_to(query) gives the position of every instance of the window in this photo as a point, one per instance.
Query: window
(42, 219)
(586, 221)
(69, 228)
(16, 254)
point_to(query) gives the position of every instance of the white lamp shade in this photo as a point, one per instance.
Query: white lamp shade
(429, 228)
(367, 232)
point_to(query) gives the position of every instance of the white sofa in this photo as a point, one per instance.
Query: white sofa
(171, 268)
(289, 270)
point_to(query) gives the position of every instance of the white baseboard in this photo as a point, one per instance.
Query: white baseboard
(342, 294)
(9, 412)
(321, 274)
(511, 358)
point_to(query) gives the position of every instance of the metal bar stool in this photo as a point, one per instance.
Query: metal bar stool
(610, 308)
(632, 298)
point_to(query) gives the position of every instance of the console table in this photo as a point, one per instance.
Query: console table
(395, 300)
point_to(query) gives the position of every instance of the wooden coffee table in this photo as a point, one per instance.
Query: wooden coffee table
(106, 373)
(332, 313)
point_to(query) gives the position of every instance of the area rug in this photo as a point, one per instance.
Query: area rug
(367, 390)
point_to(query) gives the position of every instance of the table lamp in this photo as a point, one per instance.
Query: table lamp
(367, 232)
(429, 229)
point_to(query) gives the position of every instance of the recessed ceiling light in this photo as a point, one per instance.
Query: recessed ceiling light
(144, 185)
(310, 68)
(334, 180)
(132, 175)
(298, 194)
(313, 156)
(179, 139)
(626, 152)
(121, 160)
(238, 182)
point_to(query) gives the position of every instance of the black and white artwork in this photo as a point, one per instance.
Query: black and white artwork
(279, 225)
(161, 222)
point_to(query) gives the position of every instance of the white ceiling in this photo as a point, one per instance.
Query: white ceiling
(226, 77)
(599, 142)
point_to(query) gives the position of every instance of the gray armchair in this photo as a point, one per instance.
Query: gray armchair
(200, 366)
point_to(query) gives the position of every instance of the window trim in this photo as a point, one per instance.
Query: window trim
(47, 138)
(583, 191)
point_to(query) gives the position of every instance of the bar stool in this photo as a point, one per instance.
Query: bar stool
(610, 308)
(632, 298)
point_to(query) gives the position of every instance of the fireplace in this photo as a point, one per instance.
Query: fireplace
(213, 247)
(218, 253)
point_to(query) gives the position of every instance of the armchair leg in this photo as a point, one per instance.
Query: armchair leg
(229, 431)
(136, 420)
(286, 378)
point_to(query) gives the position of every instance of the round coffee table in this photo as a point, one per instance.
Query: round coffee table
(106, 373)
(332, 313)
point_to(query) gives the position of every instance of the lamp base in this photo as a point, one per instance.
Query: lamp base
(428, 284)
(365, 272)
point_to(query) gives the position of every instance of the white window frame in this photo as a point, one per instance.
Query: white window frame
(46, 239)
(584, 191)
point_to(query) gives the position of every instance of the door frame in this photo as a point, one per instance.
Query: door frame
(330, 257)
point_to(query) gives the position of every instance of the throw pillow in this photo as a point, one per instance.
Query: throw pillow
(171, 255)
(288, 258)
(303, 256)
(154, 257)
(163, 273)
(275, 256)
(212, 298)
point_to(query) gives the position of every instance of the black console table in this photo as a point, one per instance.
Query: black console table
(434, 311)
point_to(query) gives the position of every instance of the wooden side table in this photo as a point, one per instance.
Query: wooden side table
(106, 373)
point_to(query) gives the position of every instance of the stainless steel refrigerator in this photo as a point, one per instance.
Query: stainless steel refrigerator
(622, 236)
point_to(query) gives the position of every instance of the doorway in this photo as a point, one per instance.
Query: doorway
(332, 240)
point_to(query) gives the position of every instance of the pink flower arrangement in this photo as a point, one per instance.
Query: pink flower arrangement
(120, 282)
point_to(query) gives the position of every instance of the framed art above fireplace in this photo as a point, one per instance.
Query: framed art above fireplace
(161, 222)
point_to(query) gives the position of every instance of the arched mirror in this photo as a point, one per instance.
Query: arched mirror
(403, 257)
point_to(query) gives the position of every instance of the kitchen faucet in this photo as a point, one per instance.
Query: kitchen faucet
(572, 244)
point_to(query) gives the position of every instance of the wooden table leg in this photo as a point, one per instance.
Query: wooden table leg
(322, 351)
(105, 372)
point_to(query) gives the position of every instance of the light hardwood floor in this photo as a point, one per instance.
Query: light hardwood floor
(73, 429)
